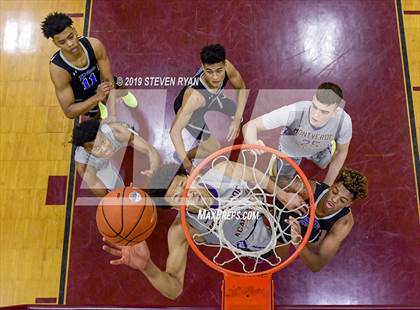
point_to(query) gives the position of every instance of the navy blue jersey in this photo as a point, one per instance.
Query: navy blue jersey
(214, 101)
(84, 81)
(209, 96)
(320, 224)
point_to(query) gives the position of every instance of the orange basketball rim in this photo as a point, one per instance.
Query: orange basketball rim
(242, 290)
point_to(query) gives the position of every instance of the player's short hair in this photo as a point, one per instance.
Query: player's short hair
(85, 132)
(329, 93)
(160, 181)
(355, 182)
(212, 54)
(55, 23)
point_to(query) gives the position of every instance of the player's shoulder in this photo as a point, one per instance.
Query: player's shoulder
(319, 187)
(81, 155)
(347, 117)
(176, 233)
(343, 226)
(229, 64)
(194, 96)
(341, 113)
(58, 74)
(230, 68)
(216, 176)
(96, 44)
(55, 57)
(93, 41)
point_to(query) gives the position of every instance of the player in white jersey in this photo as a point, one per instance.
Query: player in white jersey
(242, 230)
(96, 143)
(310, 130)
(223, 180)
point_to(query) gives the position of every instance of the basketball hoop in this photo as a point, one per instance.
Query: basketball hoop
(247, 273)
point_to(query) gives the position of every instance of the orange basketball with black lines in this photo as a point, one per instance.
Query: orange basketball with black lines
(126, 216)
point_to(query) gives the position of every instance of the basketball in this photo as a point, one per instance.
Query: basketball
(126, 216)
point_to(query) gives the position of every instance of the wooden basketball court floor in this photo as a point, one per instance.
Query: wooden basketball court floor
(49, 250)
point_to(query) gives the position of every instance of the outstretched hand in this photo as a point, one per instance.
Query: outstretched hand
(259, 142)
(135, 256)
(294, 202)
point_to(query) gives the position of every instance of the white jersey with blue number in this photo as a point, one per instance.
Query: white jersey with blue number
(246, 234)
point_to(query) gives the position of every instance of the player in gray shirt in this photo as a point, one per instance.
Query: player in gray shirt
(96, 143)
(311, 129)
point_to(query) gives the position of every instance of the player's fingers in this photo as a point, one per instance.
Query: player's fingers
(119, 247)
(105, 84)
(111, 251)
(298, 210)
(292, 220)
(260, 151)
(117, 261)
(302, 206)
(229, 135)
(235, 133)
(296, 228)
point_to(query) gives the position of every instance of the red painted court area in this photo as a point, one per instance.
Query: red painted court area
(275, 45)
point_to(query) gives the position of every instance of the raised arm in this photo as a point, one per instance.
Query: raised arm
(268, 121)
(104, 65)
(169, 282)
(328, 247)
(295, 186)
(192, 101)
(103, 61)
(238, 171)
(65, 95)
(88, 174)
(238, 83)
(123, 134)
(251, 129)
(337, 162)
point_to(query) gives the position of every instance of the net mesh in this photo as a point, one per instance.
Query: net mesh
(245, 224)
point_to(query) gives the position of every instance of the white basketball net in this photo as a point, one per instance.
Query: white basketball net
(250, 199)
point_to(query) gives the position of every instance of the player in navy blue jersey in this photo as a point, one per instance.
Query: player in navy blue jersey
(333, 218)
(80, 70)
(194, 101)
